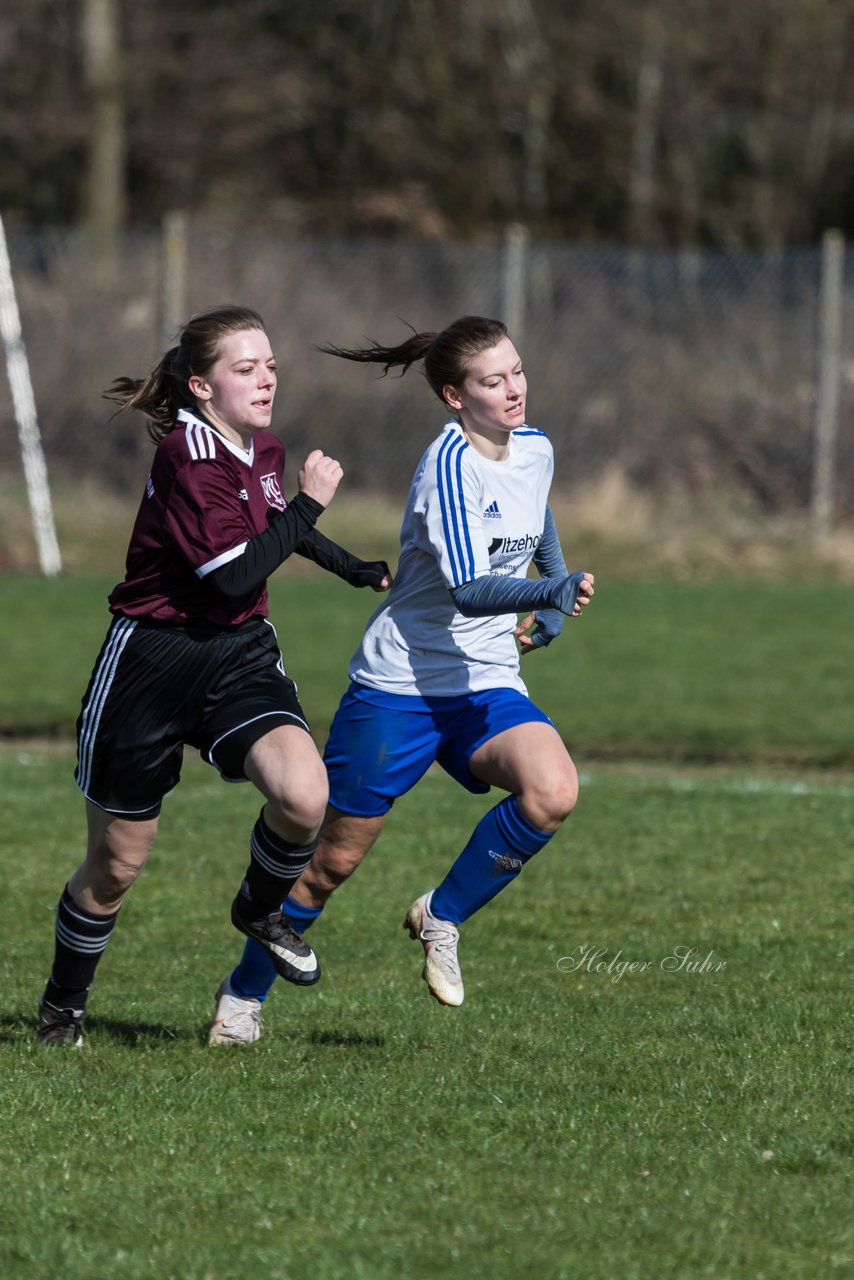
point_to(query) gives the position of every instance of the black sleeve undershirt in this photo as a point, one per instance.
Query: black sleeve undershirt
(317, 547)
(266, 551)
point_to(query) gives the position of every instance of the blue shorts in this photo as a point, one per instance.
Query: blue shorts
(380, 744)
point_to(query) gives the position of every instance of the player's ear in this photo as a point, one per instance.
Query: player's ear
(451, 396)
(198, 387)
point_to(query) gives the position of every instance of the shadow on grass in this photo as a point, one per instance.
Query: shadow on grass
(139, 1034)
(106, 1029)
(346, 1039)
(134, 1033)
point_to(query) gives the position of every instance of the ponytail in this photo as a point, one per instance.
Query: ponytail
(446, 355)
(158, 396)
(405, 354)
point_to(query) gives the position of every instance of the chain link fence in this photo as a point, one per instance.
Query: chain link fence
(686, 371)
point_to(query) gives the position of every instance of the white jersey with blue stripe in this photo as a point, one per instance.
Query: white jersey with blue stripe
(466, 516)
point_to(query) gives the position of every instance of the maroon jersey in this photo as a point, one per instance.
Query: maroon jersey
(205, 498)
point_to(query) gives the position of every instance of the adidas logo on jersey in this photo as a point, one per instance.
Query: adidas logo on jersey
(243, 495)
(492, 512)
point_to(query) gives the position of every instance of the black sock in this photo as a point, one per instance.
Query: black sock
(80, 941)
(275, 865)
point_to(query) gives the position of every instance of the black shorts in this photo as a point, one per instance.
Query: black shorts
(155, 688)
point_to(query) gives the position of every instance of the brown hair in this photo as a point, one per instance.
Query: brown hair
(165, 389)
(446, 355)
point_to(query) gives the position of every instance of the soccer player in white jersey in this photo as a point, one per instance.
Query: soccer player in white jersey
(190, 656)
(436, 677)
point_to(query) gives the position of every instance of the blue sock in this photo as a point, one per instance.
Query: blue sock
(255, 974)
(500, 845)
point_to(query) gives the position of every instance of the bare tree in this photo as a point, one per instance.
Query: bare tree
(657, 121)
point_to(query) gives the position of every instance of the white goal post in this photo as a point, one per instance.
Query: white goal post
(23, 400)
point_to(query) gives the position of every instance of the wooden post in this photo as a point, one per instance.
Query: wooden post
(829, 373)
(515, 254)
(174, 283)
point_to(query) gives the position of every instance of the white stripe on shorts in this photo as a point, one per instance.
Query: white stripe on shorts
(102, 679)
(209, 755)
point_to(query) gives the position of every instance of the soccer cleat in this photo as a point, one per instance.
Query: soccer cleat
(294, 959)
(237, 1019)
(60, 1026)
(439, 938)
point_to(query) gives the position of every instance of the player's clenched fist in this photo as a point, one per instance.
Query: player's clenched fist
(320, 476)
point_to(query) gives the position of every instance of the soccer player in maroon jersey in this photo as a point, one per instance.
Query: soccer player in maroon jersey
(191, 657)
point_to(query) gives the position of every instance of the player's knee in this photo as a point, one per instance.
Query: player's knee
(330, 867)
(550, 801)
(304, 810)
(321, 881)
(113, 875)
(116, 853)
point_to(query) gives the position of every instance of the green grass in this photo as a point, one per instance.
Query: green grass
(576, 1118)
(564, 1122)
(714, 672)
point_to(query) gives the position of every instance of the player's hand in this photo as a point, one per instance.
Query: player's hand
(372, 573)
(585, 594)
(320, 476)
(538, 630)
(572, 593)
(526, 641)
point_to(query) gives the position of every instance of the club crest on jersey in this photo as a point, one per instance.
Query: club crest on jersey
(272, 492)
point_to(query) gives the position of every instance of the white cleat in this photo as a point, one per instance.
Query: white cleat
(439, 938)
(236, 1020)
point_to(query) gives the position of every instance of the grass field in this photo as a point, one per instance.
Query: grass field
(600, 1107)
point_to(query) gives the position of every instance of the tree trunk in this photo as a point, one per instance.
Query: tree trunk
(105, 197)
